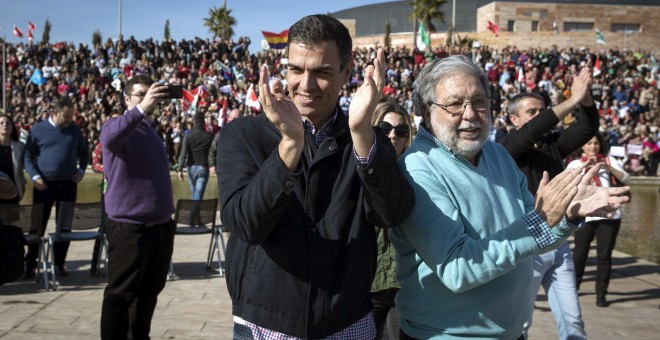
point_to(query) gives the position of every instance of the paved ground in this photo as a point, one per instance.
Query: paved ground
(196, 306)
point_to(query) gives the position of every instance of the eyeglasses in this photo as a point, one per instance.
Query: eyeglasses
(401, 131)
(139, 95)
(458, 107)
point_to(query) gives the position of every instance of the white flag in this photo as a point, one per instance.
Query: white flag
(600, 38)
(422, 38)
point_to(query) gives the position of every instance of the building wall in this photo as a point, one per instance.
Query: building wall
(602, 17)
(545, 14)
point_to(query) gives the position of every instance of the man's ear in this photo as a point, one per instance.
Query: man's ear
(347, 72)
(514, 120)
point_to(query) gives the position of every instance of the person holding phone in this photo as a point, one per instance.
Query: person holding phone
(605, 230)
(139, 204)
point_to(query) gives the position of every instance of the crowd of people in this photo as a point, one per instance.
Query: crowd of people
(625, 88)
(301, 197)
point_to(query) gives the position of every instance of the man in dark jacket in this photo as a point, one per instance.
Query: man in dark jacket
(301, 187)
(536, 148)
(195, 153)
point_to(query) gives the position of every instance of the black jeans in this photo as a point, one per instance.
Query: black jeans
(385, 313)
(605, 232)
(139, 259)
(56, 192)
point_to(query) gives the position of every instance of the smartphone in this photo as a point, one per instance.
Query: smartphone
(175, 91)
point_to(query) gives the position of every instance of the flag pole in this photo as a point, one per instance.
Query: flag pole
(453, 21)
(4, 74)
(119, 37)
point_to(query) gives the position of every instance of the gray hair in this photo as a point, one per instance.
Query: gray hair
(437, 71)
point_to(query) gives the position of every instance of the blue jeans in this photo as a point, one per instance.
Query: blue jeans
(198, 176)
(556, 271)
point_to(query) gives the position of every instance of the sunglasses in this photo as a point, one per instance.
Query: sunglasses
(401, 131)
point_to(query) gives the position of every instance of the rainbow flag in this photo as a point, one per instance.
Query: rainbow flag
(276, 41)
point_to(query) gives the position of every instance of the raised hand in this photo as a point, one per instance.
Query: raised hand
(284, 114)
(155, 93)
(363, 104)
(592, 200)
(553, 197)
(581, 88)
(280, 109)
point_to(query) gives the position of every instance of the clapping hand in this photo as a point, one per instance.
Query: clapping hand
(363, 104)
(592, 200)
(280, 109)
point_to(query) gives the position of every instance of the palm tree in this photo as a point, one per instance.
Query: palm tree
(426, 11)
(220, 22)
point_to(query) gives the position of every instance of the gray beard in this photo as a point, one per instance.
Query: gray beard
(448, 135)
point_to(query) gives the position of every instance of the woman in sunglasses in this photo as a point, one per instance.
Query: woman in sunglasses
(396, 122)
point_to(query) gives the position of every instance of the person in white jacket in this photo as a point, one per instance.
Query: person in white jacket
(604, 229)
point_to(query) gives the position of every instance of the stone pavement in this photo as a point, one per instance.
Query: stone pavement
(197, 306)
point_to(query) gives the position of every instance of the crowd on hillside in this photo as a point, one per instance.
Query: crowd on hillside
(625, 89)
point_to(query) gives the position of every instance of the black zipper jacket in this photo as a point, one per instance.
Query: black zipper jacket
(302, 250)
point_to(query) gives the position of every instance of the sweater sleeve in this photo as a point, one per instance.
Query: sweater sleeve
(579, 132)
(117, 130)
(30, 156)
(517, 142)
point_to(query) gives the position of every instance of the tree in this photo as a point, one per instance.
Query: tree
(464, 42)
(426, 11)
(96, 38)
(166, 33)
(46, 35)
(388, 29)
(220, 22)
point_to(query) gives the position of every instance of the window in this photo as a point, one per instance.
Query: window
(543, 13)
(527, 13)
(509, 25)
(628, 28)
(535, 25)
(578, 26)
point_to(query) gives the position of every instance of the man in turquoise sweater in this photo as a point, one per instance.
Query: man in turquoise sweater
(464, 256)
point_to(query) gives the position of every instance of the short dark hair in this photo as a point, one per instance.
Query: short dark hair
(14, 130)
(139, 79)
(63, 102)
(515, 101)
(314, 29)
(198, 120)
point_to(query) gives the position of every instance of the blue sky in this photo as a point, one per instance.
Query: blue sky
(76, 20)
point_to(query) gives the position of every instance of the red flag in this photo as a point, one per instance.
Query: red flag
(31, 26)
(251, 99)
(30, 36)
(17, 32)
(58, 46)
(493, 28)
(597, 67)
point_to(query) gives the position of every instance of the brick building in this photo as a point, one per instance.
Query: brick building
(625, 24)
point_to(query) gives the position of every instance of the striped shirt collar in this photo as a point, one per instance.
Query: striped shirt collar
(323, 132)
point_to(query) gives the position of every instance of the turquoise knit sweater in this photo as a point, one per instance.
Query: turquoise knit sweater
(463, 256)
